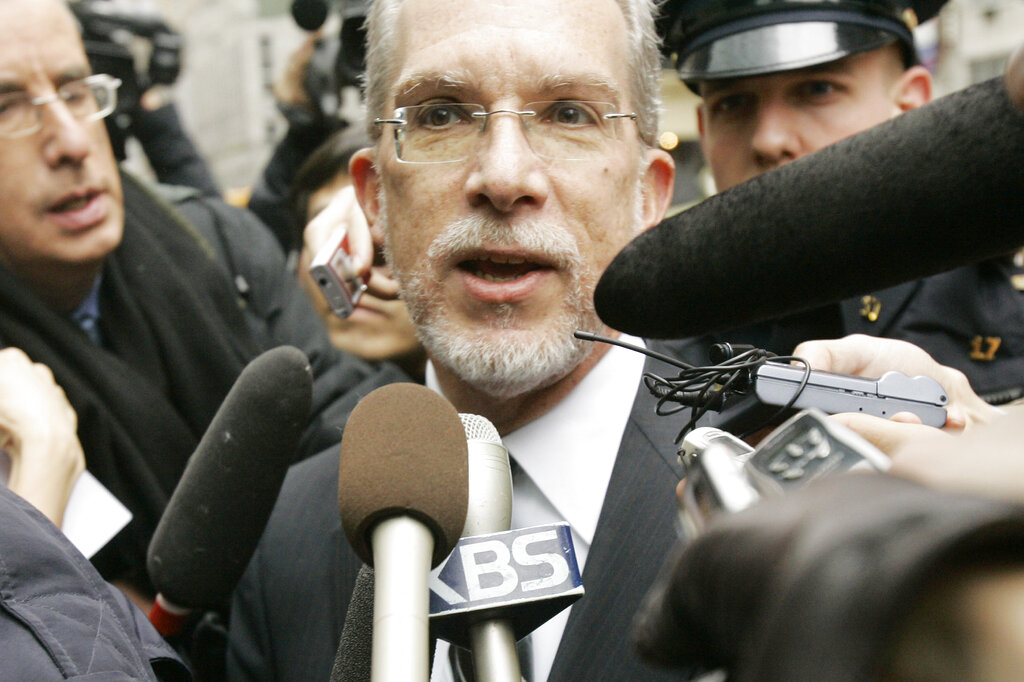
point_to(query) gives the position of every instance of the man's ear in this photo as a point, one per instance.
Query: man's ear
(912, 89)
(363, 171)
(658, 185)
(702, 131)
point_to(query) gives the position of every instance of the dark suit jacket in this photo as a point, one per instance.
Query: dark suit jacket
(289, 609)
(970, 318)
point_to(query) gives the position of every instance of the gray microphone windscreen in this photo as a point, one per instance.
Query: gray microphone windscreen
(490, 478)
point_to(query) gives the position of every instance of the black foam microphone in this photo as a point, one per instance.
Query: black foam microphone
(931, 190)
(309, 14)
(221, 505)
(402, 494)
(355, 647)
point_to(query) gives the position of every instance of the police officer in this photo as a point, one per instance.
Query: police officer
(780, 79)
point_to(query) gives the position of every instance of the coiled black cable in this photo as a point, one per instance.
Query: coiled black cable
(703, 389)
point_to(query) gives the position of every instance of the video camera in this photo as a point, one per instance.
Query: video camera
(115, 35)
(338, 61)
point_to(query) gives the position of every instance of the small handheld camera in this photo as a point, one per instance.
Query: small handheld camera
(726, 474)
(332, 271)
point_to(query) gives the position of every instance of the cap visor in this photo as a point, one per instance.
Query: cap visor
(778, 47)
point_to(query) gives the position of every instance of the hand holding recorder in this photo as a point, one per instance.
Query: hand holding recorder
(343, 247)
(862, 355)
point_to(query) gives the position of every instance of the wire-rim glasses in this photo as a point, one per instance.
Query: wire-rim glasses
(88, 99)
(446, 132)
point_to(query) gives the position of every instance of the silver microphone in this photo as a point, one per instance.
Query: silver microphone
(489, 510)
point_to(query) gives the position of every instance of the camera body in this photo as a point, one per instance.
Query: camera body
(723, 473)
(338, 60)
(115, 35)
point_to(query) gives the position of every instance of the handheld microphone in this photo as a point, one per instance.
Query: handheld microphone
(492, 640)
(931, 190)
(499, 585)
(489, 509)
(220, 506)
(402, 494)
(355, 646)
(523, 576)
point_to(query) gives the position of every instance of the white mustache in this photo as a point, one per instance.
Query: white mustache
(553, 242)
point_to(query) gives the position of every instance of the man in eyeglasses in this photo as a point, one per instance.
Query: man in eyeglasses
(145, 312)
(513, 157)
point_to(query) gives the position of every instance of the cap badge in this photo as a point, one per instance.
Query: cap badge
(871, 308)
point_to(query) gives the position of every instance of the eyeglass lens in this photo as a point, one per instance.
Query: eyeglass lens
(86, 99)
(563, 130)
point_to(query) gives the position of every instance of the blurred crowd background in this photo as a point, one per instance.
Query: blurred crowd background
(233, 50)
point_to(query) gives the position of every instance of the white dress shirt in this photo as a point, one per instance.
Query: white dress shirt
(565, 461)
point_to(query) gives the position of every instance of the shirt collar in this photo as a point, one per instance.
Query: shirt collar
(570, 450)
(87, 314)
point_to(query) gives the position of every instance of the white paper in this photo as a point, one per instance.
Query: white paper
(93, 515)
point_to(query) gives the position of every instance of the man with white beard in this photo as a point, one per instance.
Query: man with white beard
(513, 157)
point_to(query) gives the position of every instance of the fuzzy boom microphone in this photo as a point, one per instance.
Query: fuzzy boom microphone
(931, 190)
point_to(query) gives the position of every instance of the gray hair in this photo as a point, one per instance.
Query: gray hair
(644, 62)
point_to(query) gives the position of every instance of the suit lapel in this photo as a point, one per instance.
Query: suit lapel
(634, 533)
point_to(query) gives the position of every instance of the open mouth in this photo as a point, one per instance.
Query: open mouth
(500, 268)
(79, 210)
(74, 203)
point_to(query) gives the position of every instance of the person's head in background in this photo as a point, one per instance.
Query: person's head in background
(785, 78)
(61, 211)
(379, 328)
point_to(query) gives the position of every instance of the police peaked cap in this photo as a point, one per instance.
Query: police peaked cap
(716, 39)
